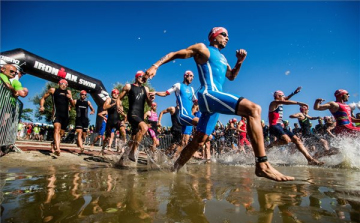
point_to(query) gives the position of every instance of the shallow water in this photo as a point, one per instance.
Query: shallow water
(203, 193)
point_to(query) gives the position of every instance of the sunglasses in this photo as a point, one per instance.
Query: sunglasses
(63, 84)
(83, 94)
(13, 72)
(224, 34)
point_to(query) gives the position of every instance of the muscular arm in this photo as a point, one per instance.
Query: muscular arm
(103, 115)
(46, 95)
(71, 100)
(91, 108)
(107, 104)
(297, 90)
(297, 115)
(162, 93)
(332, 106)
(122, 94)
(148, 99)
(199, 51)
(170, 110)
(231, 73)
(275, 104)
(147, 114)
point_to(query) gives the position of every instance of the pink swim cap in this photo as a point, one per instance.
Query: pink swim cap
(188, 72)
(215, 32)
(139, 73)
(276, 93)
(340, 92)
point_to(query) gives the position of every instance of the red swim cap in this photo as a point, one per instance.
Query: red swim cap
(153, 104)
(340, 92)
(276, 93)
(116, 91)
(215, 32)
(139, 73)
(188, 72)
(63, 81)
(303, 108)
(234, 120)
(83, 92)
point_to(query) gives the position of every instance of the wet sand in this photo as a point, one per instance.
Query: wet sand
(69, 189)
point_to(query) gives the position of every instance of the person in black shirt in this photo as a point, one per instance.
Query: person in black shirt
(82, 120)
(137, 95)
(176, 128)
(114, 120)
(61, 100)
(307, 135)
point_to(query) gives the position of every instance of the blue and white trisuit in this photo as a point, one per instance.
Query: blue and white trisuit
(211, 99)
(185, 96)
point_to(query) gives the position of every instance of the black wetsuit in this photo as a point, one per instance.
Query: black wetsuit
(61, 107)
(306, 130)
(137, 98)
(82, 120)
(176, 127)
(113, 120)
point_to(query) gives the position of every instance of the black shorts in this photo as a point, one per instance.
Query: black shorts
(63, 120)
(110, 126)
(82, 123)
(278, 131)
(176, 137)
(134, 121)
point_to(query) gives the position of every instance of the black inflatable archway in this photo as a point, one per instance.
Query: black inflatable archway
(45, 69)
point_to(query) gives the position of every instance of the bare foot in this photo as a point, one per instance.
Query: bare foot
(264, 169)
(315, 162)
(52, 147)
(57, 152)
(132, 156)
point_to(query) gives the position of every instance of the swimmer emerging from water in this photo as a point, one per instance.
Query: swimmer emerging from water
(283, 135)
(341, 112)
(213, 69)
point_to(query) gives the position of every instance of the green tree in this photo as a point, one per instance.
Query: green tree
(48, 105)
(26, 114)
(125, 101)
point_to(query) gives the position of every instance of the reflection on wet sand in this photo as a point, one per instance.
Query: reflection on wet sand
(204, 193)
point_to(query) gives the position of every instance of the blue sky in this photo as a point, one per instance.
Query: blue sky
(310, 44)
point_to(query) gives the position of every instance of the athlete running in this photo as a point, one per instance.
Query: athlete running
(304, 121)
(62, 98)
(152, 118)
(114, 122)
(101, 132)
(242, 141)
(82, 120)
(213, 68)
(138, 95)
(176, 128)
(185, 97)
(284, 136)
(341, 112)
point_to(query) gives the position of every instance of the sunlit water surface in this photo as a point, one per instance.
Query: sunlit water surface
(226, 190)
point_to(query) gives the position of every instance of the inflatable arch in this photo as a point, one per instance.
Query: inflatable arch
(45, 69)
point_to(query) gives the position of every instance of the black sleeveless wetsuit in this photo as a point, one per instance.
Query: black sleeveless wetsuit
(82, 120)
(61, 107)
(137, 98)
(113, 121)
(176, 127)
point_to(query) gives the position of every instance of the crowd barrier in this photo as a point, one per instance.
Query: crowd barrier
(10, 112)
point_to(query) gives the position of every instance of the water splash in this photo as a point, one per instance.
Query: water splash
(348, 156)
